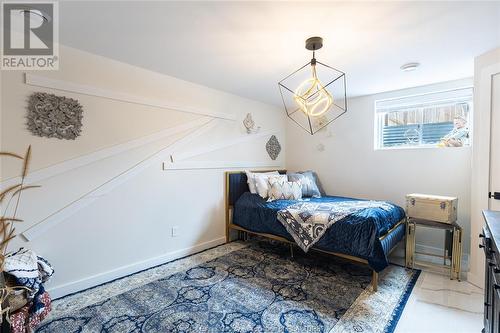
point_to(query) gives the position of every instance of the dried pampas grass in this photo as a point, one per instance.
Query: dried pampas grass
(7, 230)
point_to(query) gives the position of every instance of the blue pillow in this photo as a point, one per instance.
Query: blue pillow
(308, 182)
(318, 182)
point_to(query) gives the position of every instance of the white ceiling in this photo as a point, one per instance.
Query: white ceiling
(246, 47)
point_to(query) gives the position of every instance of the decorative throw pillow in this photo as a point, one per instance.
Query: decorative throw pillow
(263, 183)
(251, 179)
(318, 182)
(285, 190)
(308, 183)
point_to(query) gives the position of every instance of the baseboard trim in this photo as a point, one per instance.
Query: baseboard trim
(95, 280)
(475, 280)
(400, 252)
(439, 251)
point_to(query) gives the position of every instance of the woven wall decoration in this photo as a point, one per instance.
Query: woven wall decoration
(273, 147)
(54, 116)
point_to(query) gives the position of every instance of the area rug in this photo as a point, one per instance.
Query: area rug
(253, 286)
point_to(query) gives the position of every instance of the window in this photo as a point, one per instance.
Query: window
(438, 119)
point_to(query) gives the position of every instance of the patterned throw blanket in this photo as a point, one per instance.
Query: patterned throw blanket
(30, 271)
(307, 221)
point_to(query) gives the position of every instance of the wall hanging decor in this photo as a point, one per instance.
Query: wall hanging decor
(320, 147)
(314, 91)
(54, 116)
(273, 147)
(250, 124)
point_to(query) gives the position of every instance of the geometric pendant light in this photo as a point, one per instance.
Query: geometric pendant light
(315, 94)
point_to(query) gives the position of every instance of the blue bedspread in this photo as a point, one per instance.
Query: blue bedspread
(356, 235)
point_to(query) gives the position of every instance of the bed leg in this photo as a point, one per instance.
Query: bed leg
(228, 228)
(374, 281)
(291, 250)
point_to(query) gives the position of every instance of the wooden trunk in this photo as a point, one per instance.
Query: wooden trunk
(432, 207)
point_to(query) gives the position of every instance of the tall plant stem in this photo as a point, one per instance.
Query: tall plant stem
(27, 158)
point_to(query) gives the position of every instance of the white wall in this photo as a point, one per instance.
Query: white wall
(349, 165)
(485, 66)
(114, 215)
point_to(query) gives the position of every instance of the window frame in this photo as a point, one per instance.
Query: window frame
(378, 119)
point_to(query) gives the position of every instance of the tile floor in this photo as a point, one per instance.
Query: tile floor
(438, 304)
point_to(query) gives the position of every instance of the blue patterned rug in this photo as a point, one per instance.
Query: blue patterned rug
(240, 287)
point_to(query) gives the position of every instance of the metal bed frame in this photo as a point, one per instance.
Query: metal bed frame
(230, 226)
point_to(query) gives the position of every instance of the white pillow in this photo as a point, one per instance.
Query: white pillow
(251, 179)
(263, 183)
(285, 190)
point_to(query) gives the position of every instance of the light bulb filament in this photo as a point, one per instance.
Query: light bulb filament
(312, 97)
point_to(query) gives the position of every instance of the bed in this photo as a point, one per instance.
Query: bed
(366, 237)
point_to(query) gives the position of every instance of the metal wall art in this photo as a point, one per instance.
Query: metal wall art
(54, 116)
(273, 147)
(250, 124)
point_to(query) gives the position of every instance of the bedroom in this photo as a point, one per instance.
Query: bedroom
(135, 138)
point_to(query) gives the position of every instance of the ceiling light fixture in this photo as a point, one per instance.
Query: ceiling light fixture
(411, 66)
(315, 94)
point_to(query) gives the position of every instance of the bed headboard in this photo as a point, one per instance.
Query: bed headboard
(236, 184)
